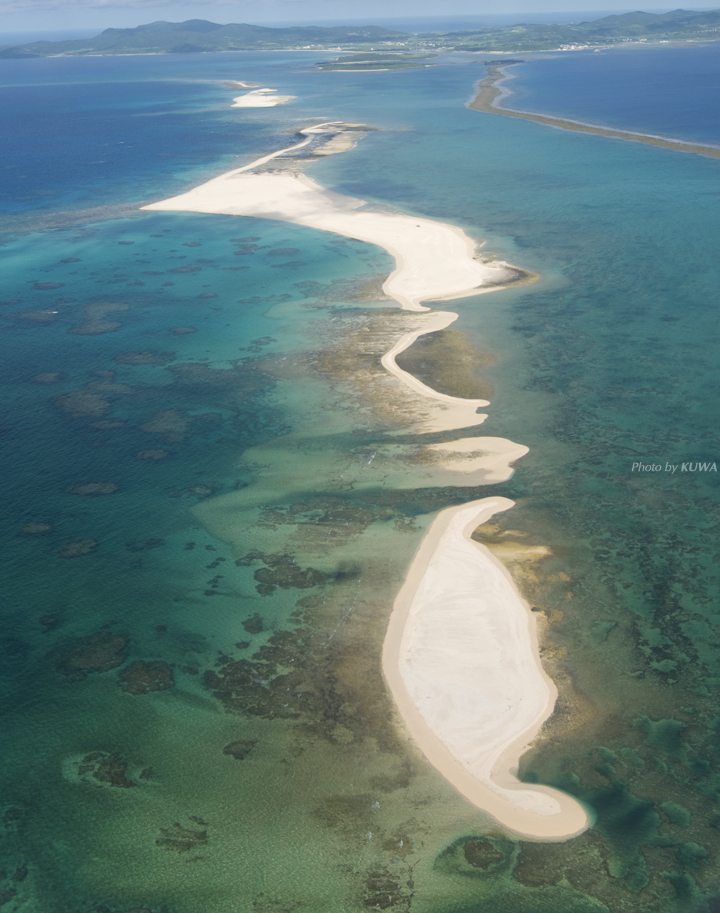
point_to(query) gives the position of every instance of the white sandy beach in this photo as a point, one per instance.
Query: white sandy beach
(461, 655)
(434, 260)
(461, 659)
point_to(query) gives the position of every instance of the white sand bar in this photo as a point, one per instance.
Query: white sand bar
(486, 457)
(461, 659)
(261, 98)
(433, 260)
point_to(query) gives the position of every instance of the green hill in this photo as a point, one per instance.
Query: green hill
(199, 35)
(678, 25)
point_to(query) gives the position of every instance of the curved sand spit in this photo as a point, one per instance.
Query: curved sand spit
(461, 657)
(433, 260)
(461, 653)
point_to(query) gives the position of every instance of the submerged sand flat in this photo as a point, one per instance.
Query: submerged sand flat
(462, 660)
(461, 656)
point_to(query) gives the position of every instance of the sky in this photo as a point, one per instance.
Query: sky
(96, 15)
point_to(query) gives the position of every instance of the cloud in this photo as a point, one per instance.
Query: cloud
(30, 6)
(75, 6)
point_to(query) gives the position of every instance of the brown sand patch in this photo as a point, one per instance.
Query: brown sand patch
(149, 357)
(152, 455)
(41, 317)
(92, 489)
(82, 404)
(96, 322)
(78, 549)
(48, 377)
(182, 331)
(35, 528)
(171, 423)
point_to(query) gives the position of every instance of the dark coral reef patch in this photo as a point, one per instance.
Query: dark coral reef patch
(181, 838)
(97, 652)
(105, 770)
(96, 322)
(240, 749)
(142, 677)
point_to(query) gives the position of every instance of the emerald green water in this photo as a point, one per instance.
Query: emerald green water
(247, 549)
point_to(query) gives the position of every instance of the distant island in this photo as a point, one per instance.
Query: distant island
(201, 36)
(370, 61)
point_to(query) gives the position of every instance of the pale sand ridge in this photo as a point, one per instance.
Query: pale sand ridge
(461, 658)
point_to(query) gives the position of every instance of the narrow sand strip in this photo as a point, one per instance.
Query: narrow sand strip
(461, 659)
(454, 411)
(489, 95)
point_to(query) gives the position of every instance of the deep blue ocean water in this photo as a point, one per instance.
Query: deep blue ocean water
(179, 357)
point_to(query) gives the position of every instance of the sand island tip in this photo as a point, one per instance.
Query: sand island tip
(462, 661)
(434, 261)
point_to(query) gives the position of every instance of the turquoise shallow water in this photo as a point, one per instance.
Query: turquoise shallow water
(262, 787)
